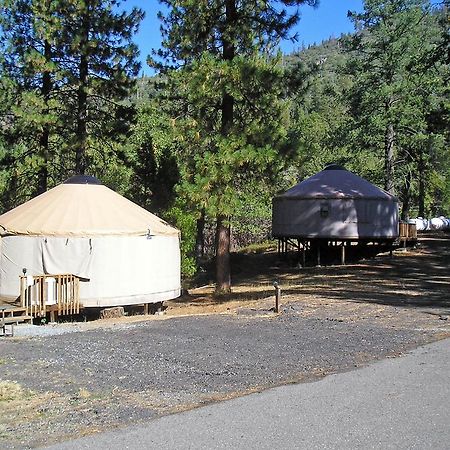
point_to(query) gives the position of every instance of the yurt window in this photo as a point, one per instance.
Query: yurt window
(324, 209)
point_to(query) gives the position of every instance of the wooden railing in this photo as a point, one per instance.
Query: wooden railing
(59, 294)
(407, 231)
(10, 316)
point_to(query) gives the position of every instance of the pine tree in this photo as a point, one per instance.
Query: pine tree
(100, 65)
(30, 42)
(231, 84)
(69, 67)
(392, 86)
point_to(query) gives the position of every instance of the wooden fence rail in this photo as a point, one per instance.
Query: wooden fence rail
(59, 294)
(407, 231)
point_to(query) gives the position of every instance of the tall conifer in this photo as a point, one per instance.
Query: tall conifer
(231, 84)
(100, 66)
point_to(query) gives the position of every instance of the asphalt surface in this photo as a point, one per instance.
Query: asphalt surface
(401, 403)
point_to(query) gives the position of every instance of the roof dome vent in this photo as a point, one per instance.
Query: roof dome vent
(334, 167)
(82, 179)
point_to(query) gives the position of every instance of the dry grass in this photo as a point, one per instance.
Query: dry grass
(10, 390)
(83, 393)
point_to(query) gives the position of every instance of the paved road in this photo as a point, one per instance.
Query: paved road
(401, 403)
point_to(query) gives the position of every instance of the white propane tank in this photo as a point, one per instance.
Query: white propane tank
(437, 223)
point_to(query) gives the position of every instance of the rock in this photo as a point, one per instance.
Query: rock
(112, 313)
(290, 309)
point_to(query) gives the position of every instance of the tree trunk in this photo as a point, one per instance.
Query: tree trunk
(406, 197)
(45, 135)
(389, 160)
(223, 269)
(200, 237)
(223, 284)
(83, 68)
(42, 184)
(421, 168)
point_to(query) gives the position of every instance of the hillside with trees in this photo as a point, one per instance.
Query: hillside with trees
(228, 121)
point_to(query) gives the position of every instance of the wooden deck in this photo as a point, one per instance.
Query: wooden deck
(58, 295)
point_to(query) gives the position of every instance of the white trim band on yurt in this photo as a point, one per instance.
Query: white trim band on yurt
(122, 253)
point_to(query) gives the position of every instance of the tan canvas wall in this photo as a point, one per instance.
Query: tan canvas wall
(118, 269)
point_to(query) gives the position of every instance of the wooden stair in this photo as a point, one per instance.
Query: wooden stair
(13, 315)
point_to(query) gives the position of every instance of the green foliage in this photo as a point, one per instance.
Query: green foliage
(252, 219)
(228, 86)
(345, 93)
(67, 68)
(186, 223)
(152, 158)
(228, 122)
(216, 167)
(395, 87)
(322, 128)
(191, 28)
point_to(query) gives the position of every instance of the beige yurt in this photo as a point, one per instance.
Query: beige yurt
(121, 253)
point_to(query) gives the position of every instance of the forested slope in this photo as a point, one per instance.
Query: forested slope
(228, 122)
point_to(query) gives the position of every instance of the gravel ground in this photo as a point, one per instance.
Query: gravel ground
(80, 382)
(87, 381)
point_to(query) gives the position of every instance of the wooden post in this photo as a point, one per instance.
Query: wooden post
(43, 302)
(23, 290)
(146, 308)
(72, 295)
(66, 293)
(58, 293)
(318, 254)
(78, 294)
(72, 311)
(343, 254)
(277, 296)
(406, 237)
(39, 297)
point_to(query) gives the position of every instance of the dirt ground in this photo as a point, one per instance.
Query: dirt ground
(103, 374)
(415, 282)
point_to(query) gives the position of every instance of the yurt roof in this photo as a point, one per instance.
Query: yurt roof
(336, 182)
(82, 207)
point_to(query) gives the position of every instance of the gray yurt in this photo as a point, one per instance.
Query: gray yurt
(334, 207)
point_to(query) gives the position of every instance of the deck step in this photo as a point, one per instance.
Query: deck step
(15, 320)
(13, 315)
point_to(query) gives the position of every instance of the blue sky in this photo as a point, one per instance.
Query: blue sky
(316, 24)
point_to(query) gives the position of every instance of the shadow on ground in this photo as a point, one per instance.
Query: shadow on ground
(414, 278)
